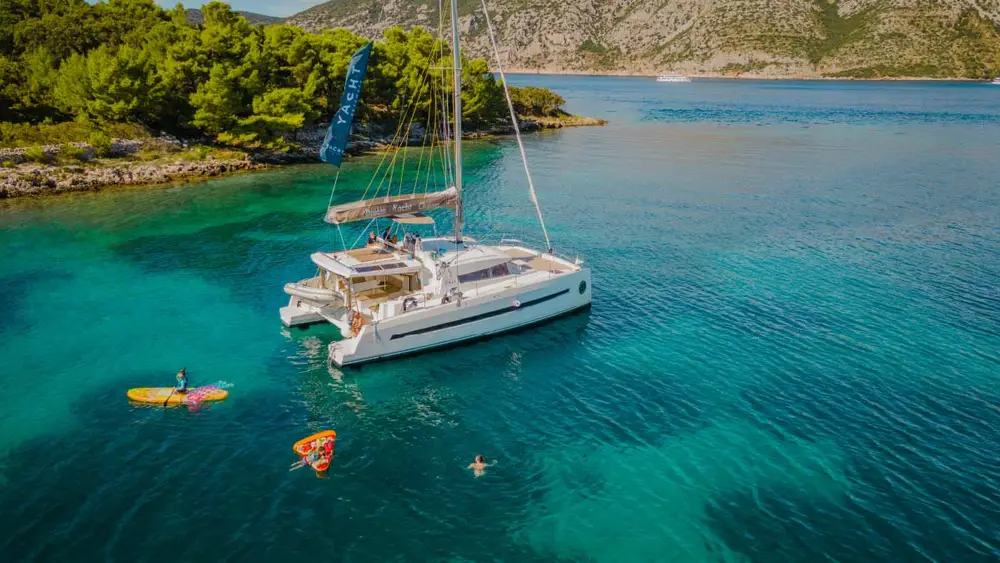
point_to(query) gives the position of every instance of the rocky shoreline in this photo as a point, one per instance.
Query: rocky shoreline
(20, 178)
(46, 180)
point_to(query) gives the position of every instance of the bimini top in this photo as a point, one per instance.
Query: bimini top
(413, 219)
(341, 265)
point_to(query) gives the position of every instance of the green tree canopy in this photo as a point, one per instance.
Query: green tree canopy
(130, 61)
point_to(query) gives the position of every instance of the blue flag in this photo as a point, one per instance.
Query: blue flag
(332, 151)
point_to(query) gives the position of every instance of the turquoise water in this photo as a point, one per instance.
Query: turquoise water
(792, 353)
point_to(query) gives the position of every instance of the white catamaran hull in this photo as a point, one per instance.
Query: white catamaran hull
(474, 318)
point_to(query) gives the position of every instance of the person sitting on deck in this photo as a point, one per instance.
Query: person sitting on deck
(371, 238)
(385, 233)
(182, 381)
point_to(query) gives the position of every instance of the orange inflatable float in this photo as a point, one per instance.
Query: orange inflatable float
(317, 450)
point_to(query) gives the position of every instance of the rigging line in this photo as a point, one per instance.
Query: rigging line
(368, 226)
(517, 129)
(392, 143)
(435, 144)
(430, 133)
(409, 126)
(391, 169)
(385, 154)
(342, 241)
(446, 161)
(334, 190)
(420, 163)
(330, 202)
(432, 126)
(445, 111)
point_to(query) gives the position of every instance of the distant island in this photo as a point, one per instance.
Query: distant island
(125, 92)
(736, 38)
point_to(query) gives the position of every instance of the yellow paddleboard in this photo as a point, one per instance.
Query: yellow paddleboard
(168, 396)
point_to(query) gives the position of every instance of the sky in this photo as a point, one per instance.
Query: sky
(267, 7)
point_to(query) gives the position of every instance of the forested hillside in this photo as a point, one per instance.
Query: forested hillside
(91, 67)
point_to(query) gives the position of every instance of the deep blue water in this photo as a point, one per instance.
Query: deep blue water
(792, 355)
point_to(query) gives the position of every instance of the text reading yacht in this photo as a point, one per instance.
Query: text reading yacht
(401, 293)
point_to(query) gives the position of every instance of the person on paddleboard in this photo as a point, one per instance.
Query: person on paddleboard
(182, 381)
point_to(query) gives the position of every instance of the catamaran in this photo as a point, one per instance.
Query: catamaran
(398, 295)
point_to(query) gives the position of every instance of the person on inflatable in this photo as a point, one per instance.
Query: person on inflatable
(321, 451)
(182, 381)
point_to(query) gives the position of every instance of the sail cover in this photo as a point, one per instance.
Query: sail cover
(332, 151)
(390, 206)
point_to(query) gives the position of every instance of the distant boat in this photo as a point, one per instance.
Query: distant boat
(996, 81)
(672, 77)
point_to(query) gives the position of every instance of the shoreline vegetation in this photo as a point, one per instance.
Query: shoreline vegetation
(123, 92)
(75, 167)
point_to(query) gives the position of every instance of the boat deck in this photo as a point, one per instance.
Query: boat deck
(546, 265)
(370, 254)
(536, 262)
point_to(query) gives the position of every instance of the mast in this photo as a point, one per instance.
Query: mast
(457, 55)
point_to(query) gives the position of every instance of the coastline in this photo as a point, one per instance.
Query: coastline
(742, 76)
(27, 179)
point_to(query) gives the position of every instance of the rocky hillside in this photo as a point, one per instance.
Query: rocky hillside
(850, 38)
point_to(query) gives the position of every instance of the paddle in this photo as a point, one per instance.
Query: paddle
(172, 391)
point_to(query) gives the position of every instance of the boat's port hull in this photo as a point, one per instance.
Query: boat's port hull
(475, 318)
(300, 313)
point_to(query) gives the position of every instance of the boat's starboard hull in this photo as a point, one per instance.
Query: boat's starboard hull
(474, 319)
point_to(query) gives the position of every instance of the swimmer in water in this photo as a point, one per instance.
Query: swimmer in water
(479, 466)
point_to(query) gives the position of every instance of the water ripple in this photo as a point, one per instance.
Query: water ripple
(791, 355)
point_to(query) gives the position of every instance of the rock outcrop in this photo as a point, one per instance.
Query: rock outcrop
(119, 147)
(43, 180)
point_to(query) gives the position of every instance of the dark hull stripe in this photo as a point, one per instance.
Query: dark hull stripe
(480, 316)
